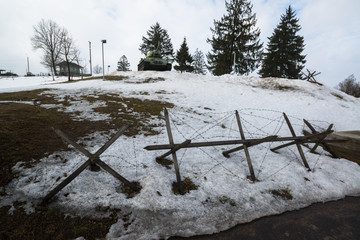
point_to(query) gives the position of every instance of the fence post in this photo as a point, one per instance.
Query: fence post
(297, 144)
(171, 141)
(245, 147)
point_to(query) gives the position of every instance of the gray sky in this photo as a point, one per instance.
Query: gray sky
(330, 29)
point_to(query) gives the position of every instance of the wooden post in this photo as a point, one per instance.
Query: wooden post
(222, 143)
(297, 144)
(171, 141)
(245, 147)
(65, 182)
(173, 150)
(306, 139)
(326, 146)
(93, 158)
(262, 140)
(320, 140)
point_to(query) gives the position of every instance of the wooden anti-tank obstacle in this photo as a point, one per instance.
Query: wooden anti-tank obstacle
(315, 137)
(92, 159)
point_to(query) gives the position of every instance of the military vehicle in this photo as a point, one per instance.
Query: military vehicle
(154, 62)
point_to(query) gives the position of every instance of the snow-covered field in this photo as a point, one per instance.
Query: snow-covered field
(204, 111)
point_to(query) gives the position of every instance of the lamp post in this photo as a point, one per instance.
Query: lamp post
(102, 44)
(90, 58)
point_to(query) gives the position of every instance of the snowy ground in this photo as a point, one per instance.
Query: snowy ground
(204, 111)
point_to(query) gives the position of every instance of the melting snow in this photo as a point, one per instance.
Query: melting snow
(204, 111)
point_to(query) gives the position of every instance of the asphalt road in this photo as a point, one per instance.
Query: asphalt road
(321, 221)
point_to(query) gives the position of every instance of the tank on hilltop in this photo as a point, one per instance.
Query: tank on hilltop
(154, 62)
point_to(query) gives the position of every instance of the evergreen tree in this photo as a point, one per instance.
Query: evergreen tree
(123, 64)
(235, 37)
(184, 59)
(199, 62)
(283, 57)
(158, 38)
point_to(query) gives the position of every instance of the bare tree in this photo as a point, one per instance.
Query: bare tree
(49, 37)
(350, 86)
(69, 51)
(97, 69)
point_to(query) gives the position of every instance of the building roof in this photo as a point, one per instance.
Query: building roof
(71, 64)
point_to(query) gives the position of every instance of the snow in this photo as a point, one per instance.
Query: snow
(204, 111)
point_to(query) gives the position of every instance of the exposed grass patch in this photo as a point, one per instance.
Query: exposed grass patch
(106, 77)
(337, 95)
(26, 135)
(274, 85)
(226, 199)
(122, 109)
(165, 162)
(28, 96)
(153, 80)
(51, 224)
(187, 185)
(130, 193)
(282, 193)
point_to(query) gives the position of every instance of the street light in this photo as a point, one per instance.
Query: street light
(102, 44)
(90, 58)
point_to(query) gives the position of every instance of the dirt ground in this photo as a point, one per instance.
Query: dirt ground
(337, 220)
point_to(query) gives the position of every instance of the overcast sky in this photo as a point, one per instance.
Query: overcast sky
(331, 29)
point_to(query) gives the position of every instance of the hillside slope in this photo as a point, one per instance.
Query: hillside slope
(204, 110)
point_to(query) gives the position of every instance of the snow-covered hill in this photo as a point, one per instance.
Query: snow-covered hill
(204, 111)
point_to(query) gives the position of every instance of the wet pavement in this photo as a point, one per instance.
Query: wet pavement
(321, 221)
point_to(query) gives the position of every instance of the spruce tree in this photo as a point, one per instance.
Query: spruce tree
(284, 57)
(235, 37)
(199, 62)
(123, 64)
(184, 59)
(157, 38)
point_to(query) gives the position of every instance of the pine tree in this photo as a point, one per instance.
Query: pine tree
(284, 57)
(123, 64)
(158, 38)
(184, 59)
(235, 37)
(199, 62)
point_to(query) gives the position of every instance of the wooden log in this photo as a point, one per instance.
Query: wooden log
(73, 143)
(221, 143)
(171, 141)
(116, 175)
(93, 158)
(173, 150)
(307, 139)
(65, 182)
(310, 126)
(324, 144)
(111, 141)
(297, 144)
(262, 140)
(247, 154)
(320, 140)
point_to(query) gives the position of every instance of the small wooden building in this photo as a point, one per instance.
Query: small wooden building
(75, 69)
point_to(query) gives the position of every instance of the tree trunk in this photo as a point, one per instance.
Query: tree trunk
(68, 68)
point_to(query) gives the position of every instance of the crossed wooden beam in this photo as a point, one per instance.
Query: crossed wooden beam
(92, 159)
(315, 137)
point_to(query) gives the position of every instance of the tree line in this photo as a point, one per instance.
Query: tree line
(235, 47)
